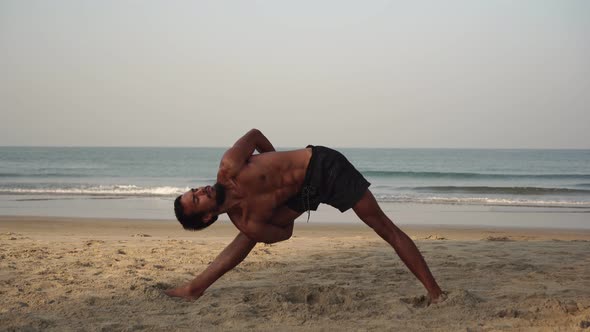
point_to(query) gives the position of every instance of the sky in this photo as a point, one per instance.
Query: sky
(399, 74)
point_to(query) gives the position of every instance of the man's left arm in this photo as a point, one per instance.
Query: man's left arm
(268, 233)
(279, 227)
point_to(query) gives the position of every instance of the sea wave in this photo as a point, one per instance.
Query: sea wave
(482, 201)
(461, 175)
(45, 175)
(500, 190)
(102, 190)
(507, 196)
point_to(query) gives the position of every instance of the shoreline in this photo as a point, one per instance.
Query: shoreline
(157, 208)
(37, 225)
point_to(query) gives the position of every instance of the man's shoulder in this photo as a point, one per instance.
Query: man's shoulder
(245, 221)
(235, 214)
(227, 172)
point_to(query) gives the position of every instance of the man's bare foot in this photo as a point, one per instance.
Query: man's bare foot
(437, 299)
(183, 292)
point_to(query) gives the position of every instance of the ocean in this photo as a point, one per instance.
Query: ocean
(143, 182)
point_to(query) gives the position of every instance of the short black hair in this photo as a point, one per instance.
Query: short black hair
(192, 222)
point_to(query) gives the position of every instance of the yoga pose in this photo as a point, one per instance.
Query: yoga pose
(264, 193)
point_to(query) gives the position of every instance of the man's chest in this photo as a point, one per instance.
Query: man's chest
(256, 178)
(253, 209)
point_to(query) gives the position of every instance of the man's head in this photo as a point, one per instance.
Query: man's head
(198, 208)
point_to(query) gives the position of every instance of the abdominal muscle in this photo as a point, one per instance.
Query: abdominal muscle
(269, 179)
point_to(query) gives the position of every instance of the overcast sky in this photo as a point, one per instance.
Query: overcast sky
(475, 74)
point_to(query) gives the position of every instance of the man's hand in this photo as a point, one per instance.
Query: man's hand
(183, 292)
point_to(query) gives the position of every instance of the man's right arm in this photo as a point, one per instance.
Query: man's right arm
(236, 156)
(229, 258)
(236, 252)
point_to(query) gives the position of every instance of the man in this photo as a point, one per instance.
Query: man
(264, 193)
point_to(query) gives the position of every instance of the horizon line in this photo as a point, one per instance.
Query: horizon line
(293, 147)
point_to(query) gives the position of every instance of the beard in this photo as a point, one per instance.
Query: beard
(219, 193)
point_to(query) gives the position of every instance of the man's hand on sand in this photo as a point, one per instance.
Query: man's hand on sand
(183, 292)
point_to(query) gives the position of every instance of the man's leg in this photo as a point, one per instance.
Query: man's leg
(369, 211)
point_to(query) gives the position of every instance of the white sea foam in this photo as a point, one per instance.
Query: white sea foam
(102, 190)
(482, 201)
(129, 190)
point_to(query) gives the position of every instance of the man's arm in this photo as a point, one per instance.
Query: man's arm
(236, 156)
(279, 227)
(269, 233)
(229, 258)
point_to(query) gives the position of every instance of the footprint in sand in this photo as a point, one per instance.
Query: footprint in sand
(156, 290)
(435, 237)
(509, 313)
(92, 242)
(460, 297)
(141, 235)
(161, 285)
(416, 302)
(498, 238)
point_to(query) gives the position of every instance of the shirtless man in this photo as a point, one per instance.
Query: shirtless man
(264, 193)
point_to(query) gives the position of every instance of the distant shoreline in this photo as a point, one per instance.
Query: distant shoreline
(113, 226)
(293, 147)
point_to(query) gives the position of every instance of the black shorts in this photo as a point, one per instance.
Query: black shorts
(330, 178)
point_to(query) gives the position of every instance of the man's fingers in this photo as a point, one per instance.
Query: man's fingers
(174, 292)
(170, 292)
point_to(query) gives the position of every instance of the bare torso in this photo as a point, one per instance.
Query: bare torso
(264, 184)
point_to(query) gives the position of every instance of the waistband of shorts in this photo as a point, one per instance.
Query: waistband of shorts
(310, 165)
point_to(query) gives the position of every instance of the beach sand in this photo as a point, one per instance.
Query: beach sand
(105, 275)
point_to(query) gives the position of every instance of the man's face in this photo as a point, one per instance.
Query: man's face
(199, 200)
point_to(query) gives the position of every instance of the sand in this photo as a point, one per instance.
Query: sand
(62, 274)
